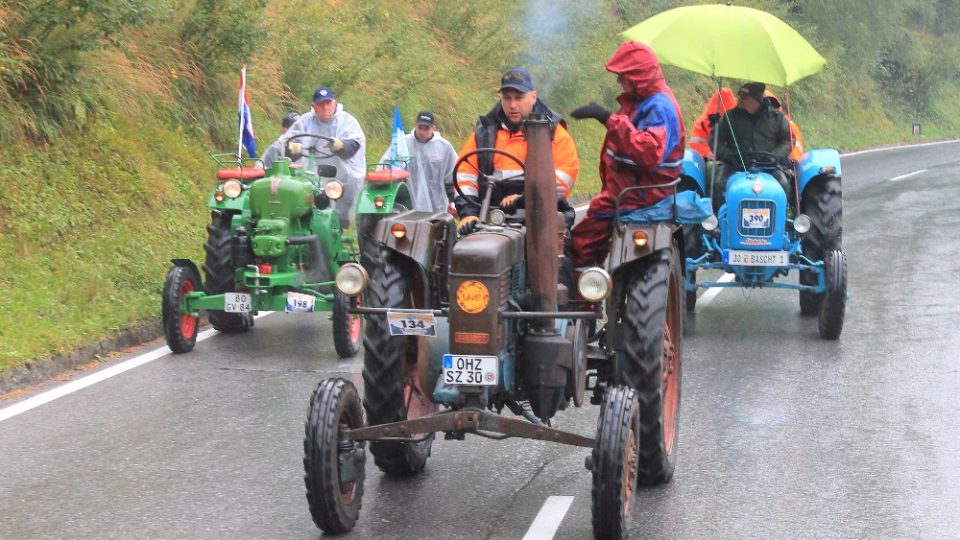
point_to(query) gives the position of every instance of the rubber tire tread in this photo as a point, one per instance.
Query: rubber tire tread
(692, 248)
(177, 342)
(619, 408)
(383, 358)
(834, 304)
(645, 312)
(345, 347)
(823, 204)
(321, 466)
(219, 271)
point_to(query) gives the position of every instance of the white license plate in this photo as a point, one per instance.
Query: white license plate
(755, 218)
(234, 302)
(299, 303)
(412, 324)
(470, 370)
(756, 258)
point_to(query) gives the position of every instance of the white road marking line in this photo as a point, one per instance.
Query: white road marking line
(545, 525)
(908, 175)
(94, 378)
(712, 293)
(917, 145)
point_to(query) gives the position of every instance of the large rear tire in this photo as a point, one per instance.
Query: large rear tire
(179, 329)
(219, 270)
(347, 328)
(392, 387)
(615, 460)
(823, 204)
(333, 469)
(834, 304)
(652, 329)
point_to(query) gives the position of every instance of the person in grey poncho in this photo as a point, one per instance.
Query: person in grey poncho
(431, 165)
(347, 145)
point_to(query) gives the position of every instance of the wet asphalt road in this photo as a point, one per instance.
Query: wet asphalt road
(783, 435)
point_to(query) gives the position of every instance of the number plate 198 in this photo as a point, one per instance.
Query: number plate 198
(459, 370)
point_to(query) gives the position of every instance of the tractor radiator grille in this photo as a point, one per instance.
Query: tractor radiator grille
(755, 204)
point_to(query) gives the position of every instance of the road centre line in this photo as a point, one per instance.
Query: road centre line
(712, 293)
(548, 519)
(908, 175)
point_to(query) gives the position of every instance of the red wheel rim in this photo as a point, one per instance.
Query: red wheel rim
(356, 323)
(630, 457)
(188, 323)
(348, 490)
(671, 366)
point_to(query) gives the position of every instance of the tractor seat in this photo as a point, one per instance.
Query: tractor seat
(241, 173)
(387, 175)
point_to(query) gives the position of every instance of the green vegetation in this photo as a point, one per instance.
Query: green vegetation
(108, 109)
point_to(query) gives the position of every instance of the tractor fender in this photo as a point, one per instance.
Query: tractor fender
(623, 251)
(817, 162)
(693, 167)
(427, 244)
(187, 263)
(393, 192)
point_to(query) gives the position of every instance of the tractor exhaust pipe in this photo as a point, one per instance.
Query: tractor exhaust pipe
(540, 211)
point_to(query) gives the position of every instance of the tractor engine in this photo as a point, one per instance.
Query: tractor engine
(277, 205)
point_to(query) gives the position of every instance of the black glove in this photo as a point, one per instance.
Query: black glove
(467, 225)
(511, 203)
(713, 119)
(591, 110)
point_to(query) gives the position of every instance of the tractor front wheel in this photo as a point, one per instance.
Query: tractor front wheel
(393, 390)
(833, 306)
(615, 463)
(334, 465)
(347, 328)
(219, 269)
(652, 322)
(180, 329)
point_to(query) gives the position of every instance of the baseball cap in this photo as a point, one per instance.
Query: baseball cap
(323, 93)
(517, 79)
(425, 118)
(752, 89)
(289, 119)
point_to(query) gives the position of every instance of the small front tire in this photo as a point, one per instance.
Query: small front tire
(833, 305)
(347, 328)
(615, 463)
(179, 329)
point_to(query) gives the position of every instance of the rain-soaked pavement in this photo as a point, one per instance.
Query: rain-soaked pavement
(783, 435)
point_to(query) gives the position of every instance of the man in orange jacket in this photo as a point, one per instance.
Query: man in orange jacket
(796, 139)
(719, 103)
(502, 128)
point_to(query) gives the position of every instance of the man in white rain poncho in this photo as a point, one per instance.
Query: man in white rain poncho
(347, 147)
(430, 165)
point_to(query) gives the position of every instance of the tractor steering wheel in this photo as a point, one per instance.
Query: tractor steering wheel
(483, 180)
(317, 154)
(759, 158)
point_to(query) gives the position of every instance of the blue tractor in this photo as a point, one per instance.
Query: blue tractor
(760, 232)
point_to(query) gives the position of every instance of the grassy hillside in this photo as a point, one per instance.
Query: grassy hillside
(108, 109)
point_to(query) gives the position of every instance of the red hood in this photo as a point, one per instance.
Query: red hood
(639, 64)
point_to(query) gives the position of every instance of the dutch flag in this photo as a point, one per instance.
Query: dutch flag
(247, 138)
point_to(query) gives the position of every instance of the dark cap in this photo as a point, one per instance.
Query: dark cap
(289, 119)
(323, 93)
(517, 79)
(426, 118)
(752, 89)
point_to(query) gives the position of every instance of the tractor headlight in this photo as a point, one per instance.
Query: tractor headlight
(232, 188)
(801, 224)
(333, 190)
(351, 279)
(594, 284)
(710, 224)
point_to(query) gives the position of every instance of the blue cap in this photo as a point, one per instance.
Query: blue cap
(323, 94)
(517, 79)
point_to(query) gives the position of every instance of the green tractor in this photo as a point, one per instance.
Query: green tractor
(274, 243)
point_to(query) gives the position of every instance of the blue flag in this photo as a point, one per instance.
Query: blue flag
(399, 153)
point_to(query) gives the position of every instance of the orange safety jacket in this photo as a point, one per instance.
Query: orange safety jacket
(796, 138)
(699, 140)
(565, 161)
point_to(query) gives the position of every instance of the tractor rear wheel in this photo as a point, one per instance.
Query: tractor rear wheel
(219, 270)
(179, 329)
(834, 304)
(823, 204)
(652, 329)
(392, 388)
(615, 462)
(692, 248)
(333, 468)
(347, 328)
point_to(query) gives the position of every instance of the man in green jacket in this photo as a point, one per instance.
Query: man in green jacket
(752, 126)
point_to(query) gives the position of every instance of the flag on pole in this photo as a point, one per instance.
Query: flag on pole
(399, 153)
(247, 138)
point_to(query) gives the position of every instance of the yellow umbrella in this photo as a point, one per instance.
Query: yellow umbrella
(725, 41)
